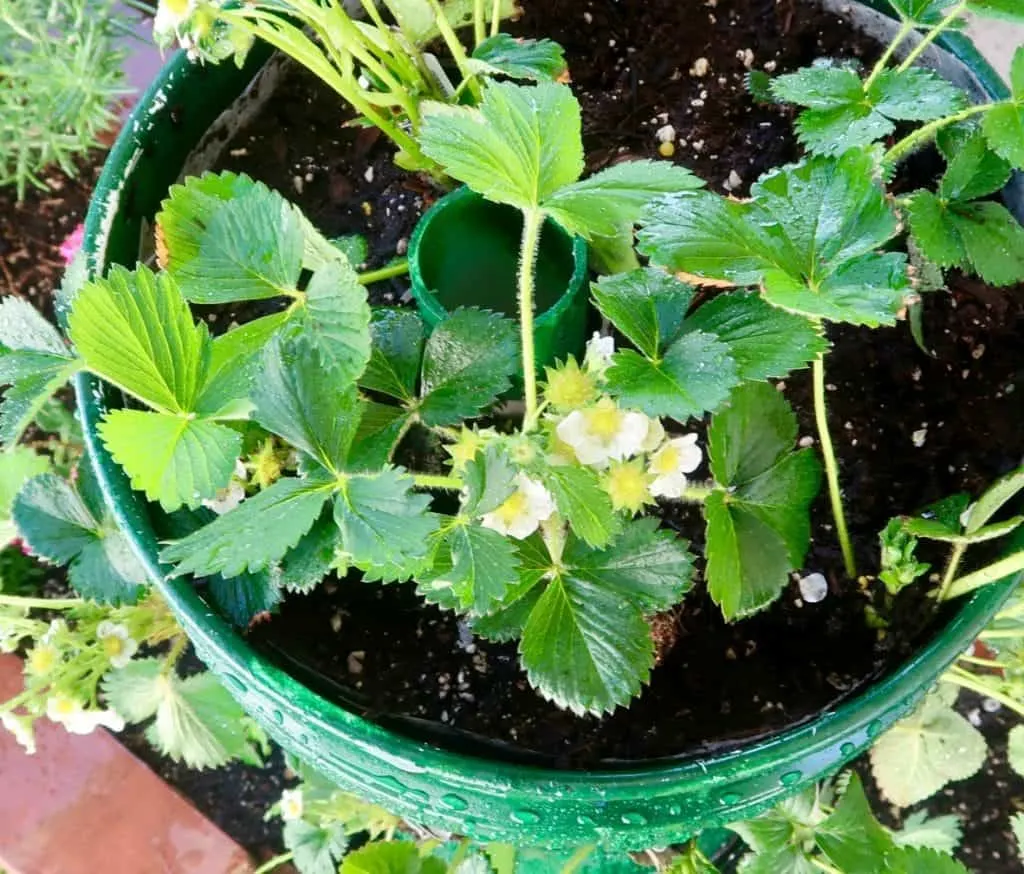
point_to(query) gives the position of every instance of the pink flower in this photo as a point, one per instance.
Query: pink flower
(69, 248)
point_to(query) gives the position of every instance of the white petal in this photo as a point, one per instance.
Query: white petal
(630, 439)
(670, 485)
(655, 434)
(523, 527)
(572, 429)
(495, 523)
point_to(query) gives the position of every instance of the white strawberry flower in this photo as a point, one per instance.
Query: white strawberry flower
(70, 713)
(171, 16)
(604, 433)
(21, 729)
(229, 498)
(671, 463)
(291, 805)
(598, 356)
(521, 515)
(117, 643)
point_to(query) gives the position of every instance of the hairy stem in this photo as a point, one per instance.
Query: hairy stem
(905, 30)
(275, 863)
(992, 574)
(924, 135)
(479, 21)
(437, 481)
(398, 268)
(933, 35)
(982, 663)
(952, 566)
(822, 865)
(533, 221)
(832, 467)
(967, 680)
(496, 18)
(40, 603)
(174, 653)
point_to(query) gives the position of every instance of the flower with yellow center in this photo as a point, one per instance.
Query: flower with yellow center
(604, 433)
(117, 643)
(70, 713)
(43, 658)
(670, 465)
(569, 387)
(628, 485)
(291, 805)
(521, 515)
(170, 16)
(265, 465)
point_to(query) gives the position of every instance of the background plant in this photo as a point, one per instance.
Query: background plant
(60, 80)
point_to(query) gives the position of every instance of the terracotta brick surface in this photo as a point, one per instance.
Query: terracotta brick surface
(85, 805)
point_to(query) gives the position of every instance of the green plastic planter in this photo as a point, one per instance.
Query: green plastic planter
(465, 252)
(647, 805)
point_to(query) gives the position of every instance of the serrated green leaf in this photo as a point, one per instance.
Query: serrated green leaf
(694, 376)
(136, 690)
(55, 524)
(316, 849)
(609, 203)
(488, 479)
(1007, 10)
(381, 428)
(851, 838)
(973, 171)
(508, 622)
(942, 833)
(175, 460)
(336, 319)
(915, 94)
(251, 248)
(759, 529)
(834, 131)
(243, 597)
(397, 344)
(23, 328)
(304, 567)
(391, 857)
(809, 237)
(921, 754)
(584, 648)
(298, 400)
(993, 240)
(933, 232)
(650, 568)
(647, 305)
(484, 566)
(467, 363)
(385, 526)
(922, 13)
(18, 465)
(913, 860)
(763, 341)
(135, 331)
(581, 500)
(538, 59)
(787, 860)
(258, 532)
(786, 823)
(354, 247)
(23, 402)
(199, 723)
(519, 147)
(234, 365)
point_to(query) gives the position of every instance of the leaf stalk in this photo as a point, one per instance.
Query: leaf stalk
(533, 222)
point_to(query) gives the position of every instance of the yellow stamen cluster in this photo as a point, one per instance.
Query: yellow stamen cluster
(604, 419)
(569, 387)
(513, 508)
(42, 659)
(628, 485)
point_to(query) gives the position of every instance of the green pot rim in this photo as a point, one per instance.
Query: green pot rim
(655, 804)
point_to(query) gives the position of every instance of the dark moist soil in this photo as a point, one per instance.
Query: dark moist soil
(635, 68)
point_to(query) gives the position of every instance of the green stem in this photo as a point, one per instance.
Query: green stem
(437, 481)
(398, 268)
(905, 30)
(533, 221)
(274, 863)
(479, 22)
(1001, 634)
(982, 663)
(496, 18)
(955, 557)
(922, 136)
(966, 680)
(458, 53)
(458, 856)
(933, 35)
(696, 494)
(832, 467)
(991, 574)
(578, 858)
(824, 866)
(174, 653)
(40, 603)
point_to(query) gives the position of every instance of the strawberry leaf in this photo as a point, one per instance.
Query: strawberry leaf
(538, 59)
